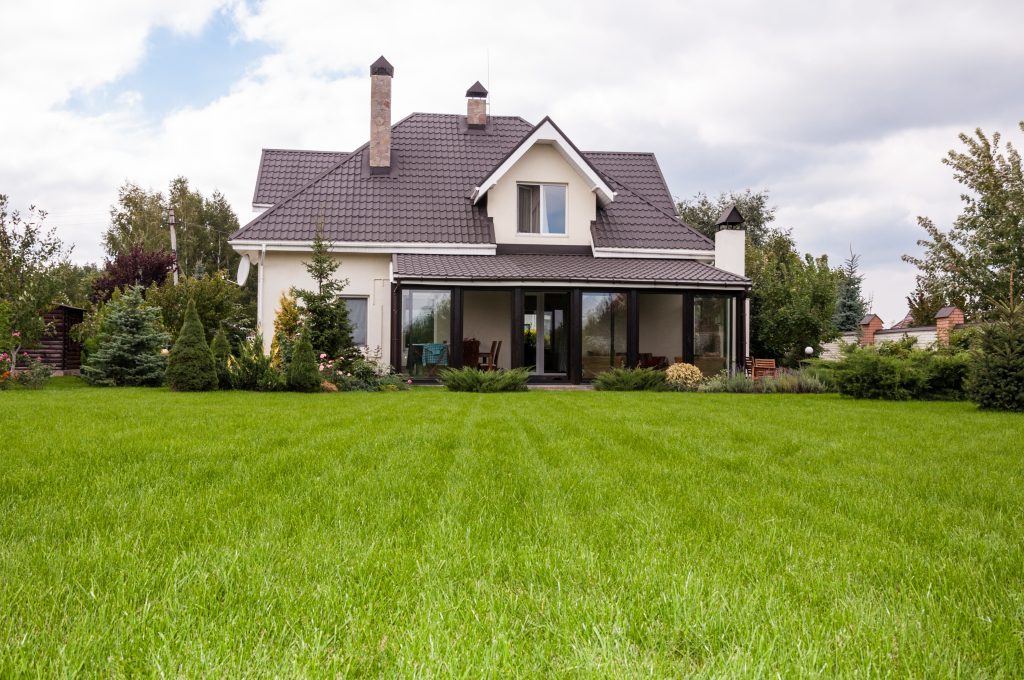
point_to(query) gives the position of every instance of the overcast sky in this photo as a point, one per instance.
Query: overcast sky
(842, 110)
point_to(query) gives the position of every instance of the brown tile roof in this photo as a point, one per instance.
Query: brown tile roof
(560, 268)
(436, 163)
(282, 171)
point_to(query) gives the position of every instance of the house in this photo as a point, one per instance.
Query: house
(872, 331)
(458, 231)
(57, 349)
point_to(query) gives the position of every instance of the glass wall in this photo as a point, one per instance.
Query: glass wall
(713, 350)
(426, 330)
(604, 332)
(661, 329)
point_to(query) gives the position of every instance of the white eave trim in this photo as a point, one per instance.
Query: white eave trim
(706, 256)
(580, 283)
(547, 133)
(242, 245)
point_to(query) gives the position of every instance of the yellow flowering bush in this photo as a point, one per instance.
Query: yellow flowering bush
(686, 377)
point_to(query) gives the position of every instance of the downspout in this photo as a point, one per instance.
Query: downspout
(259, 290)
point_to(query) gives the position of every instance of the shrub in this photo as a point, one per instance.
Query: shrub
(287, 324)
(221, 350)
(997, 369)
(303, 375)
(251, 370)
(869, 374)
(684, 377)
(474, 380)
(946, 376)
(631, 380)
(361, 370)
(723, 382)
(218, 302)
(35, 376)
(190, 367)
(128, 343)
(795, 382)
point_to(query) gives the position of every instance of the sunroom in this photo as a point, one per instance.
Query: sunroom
(568, 317)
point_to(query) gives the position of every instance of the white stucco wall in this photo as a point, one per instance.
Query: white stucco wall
(367, 276)
(486, 316)
(542, 164)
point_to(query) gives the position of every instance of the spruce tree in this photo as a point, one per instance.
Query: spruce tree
(850, 304)
(130, 340)
(221, 350)
(303, 375)
(996, 379)
(325, 314)
(191, 367)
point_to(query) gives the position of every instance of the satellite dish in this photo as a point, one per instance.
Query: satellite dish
(243, 270)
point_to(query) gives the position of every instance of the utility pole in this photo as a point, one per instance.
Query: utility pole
(174, 242)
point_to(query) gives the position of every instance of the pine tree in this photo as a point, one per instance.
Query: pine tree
(325, 314)
(303, 375)
(850, 304)
(191, 367)
(997, 374)
(221, 350)
(286, 330)
(130, 341)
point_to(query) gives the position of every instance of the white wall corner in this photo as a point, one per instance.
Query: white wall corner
(730, 251)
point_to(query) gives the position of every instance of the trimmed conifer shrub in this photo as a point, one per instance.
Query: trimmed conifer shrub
(303, 374)
(221, 349)
(251, 369)
(190, 367)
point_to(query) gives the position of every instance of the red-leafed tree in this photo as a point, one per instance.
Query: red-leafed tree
(134, 267)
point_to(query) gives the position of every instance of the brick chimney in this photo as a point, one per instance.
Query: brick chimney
(947, 319)
(476, 106)
(381, 73)
(869, 325)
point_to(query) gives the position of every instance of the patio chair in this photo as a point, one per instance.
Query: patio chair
(489, 360)
(435, 354)
(762, 368)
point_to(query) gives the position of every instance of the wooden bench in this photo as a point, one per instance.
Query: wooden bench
(761, 368)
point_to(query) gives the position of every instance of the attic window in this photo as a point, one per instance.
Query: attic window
(542, 209)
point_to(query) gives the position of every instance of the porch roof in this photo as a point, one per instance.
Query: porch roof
(562, 268)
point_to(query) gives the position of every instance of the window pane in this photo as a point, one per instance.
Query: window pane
(661, 329)
(604, 332)
(712, 333)
(529, 208)
(554, 209)
(357, 317)
(426, 330)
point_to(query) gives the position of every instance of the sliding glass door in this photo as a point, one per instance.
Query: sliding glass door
(545, 335)
(426, 330)
(713, 349)
(603, 332)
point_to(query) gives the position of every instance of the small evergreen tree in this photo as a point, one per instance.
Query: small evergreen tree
(191, 367)
(996, 379)
(325, 314)
(251, 368)
(303, 375)
(286, 329)
(221, 350)
(850, 304)
(129, 343)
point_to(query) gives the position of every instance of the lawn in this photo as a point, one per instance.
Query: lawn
(543, 533)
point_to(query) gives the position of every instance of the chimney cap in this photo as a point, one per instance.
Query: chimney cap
(382, 67)
(477, 91)
(730, 216)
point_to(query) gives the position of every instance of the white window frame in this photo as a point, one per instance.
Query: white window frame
(543, 210)
(366, 318)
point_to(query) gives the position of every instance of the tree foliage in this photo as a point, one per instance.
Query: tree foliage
(972, 263)
(287, 324)
(324, 314)
(850, 304)
(792, 299)
(132, 267)
(221, 350)
(303, 374)
(997, 373)
(217, 299)
(924, 303)
(29, 259)
(702, 212)
(202, 224)
(129, 342)
(191, 367)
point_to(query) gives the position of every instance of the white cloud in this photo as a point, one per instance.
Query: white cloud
(842, 110)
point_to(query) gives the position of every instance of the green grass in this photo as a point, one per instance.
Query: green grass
(548, 534)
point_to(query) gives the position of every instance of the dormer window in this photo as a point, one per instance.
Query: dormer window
(542, 209)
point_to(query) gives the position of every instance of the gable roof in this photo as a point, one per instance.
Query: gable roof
(547, 132)
(282, 171)
(437, 160)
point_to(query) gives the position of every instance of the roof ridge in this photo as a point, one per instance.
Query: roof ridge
(624, 153)
(266, 148)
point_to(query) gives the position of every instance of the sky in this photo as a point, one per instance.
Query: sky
(843, 111)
